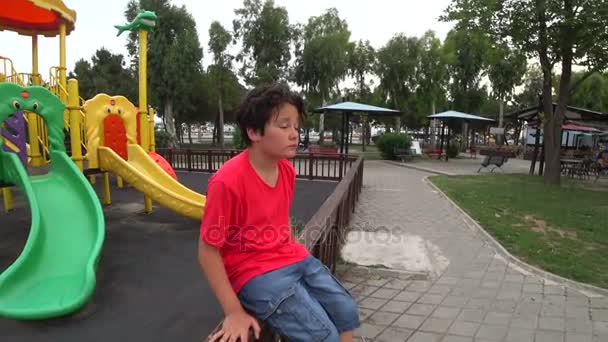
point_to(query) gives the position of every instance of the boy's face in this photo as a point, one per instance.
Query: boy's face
(281, 133)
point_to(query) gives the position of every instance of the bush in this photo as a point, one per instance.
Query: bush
(161, 138)
(452, 151)
(389, 141)
(237, 140)
(375, 139)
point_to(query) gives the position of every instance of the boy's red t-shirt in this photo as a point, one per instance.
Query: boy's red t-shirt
(248, 220)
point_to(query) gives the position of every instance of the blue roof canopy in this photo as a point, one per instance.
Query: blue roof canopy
(452, 114)
(356, 107)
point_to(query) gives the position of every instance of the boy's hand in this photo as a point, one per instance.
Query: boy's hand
(236, 326)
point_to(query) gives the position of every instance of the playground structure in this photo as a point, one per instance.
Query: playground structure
(55, 273)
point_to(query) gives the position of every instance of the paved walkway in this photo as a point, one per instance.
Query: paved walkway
(465, 165)
(462, 289)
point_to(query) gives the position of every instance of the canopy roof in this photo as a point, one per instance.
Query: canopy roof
(569, 126)
(452, 114)
(34, 17)
(572, 113)
(354, 107)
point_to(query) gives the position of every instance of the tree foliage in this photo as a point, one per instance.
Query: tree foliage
(323, 60)
(174, 58)
(106, 73)
(265, 36)
(465, 52)
(556, 32)
(361, 61)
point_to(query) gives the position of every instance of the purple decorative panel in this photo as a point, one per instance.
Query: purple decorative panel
(14, 131)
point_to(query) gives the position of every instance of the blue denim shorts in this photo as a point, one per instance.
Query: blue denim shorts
(303, 302)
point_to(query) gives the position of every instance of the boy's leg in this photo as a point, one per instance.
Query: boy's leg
(333, 296)
(281, 301)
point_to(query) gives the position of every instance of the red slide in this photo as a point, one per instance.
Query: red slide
(162, 162)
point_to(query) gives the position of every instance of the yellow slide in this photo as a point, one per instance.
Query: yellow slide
(146, 176)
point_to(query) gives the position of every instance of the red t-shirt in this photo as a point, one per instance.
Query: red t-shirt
(248, 220)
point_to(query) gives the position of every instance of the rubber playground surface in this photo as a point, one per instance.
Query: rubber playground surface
(149, 284)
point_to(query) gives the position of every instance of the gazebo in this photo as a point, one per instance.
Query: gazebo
(348, 109)
(49, 18)
(576, 119)
(451, 117)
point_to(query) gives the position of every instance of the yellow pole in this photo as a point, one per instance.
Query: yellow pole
(74, 110)
(32, 118)
(107, 199)
(119, 182)
(143, 99)
(143, 88)
(152, 131)
(35, 78)
(62, 64)
(8, 199)
(62, 68)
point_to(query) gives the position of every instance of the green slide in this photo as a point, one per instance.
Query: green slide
(55, 273)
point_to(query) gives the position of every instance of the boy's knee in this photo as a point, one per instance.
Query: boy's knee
(350, 312)
(334, 335)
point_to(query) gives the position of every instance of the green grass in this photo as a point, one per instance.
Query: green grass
(562, 229)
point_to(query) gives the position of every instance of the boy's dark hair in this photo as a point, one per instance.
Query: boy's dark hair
(262, 103)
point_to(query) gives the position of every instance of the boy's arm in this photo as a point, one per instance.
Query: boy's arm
(211, 262)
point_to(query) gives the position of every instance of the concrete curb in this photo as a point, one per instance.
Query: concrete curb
(419, 168)
(588, 290)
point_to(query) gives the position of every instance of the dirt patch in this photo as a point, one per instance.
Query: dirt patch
(540, 226)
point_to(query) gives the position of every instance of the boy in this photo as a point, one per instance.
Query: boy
(246, 249)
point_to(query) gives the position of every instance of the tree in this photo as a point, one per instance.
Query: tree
(465, 52)
(174, 58)
(592, 93)
(323, 61)
(432, 80)
(432, 71)
(107, 73)
(232, 93)
(506, 68)
(219, 38)
(265, 37)
(532, 88)
(397, 69)
(361, 61)
(564, 32)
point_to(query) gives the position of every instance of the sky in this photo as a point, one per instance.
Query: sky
(376, 21)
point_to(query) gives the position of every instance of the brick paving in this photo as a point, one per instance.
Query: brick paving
(477, 297)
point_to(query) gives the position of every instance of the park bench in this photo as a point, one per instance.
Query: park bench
(434, 152)
(403, 153)
(493, 160)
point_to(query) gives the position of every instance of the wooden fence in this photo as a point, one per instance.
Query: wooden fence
(313, 166)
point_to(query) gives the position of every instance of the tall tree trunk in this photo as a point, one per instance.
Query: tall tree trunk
(433, 125)
(190, 134)
(216, 128)
(363, 132)
(501, 112)
(170, 124)
(321, 124)
(553, 127)
(552, 175)
(220, 136)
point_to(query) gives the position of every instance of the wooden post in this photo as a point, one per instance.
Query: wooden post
(8, 199)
